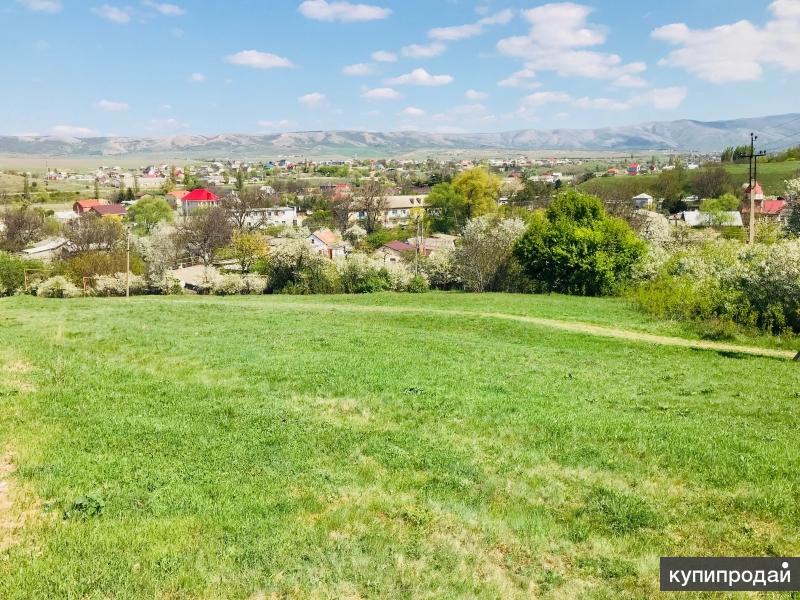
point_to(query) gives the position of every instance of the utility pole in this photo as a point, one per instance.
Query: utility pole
(128, 266)
(753, 157)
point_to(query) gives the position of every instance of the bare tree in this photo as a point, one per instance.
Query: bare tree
(205, 232)
(91, 232)
(340, 211)
(370, 199)
(21, 226)
(239, 206)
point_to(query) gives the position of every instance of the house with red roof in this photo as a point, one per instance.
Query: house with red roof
(197, 199)
(772, 209)
(634, 169)
(327, 243)
(84, 206)
(109, 210)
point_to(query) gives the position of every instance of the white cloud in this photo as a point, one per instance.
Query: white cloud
(384, 93)
(542, 98)
(259, 60)
(738, 51)
(115, 14)
(469, 109)
(313, 100)
(197, 78)
(421, 77)
(49, 6)
(663, 98)
(383, 56)
(165, 107)
(557, 41)
(461, 32)
(322, 10)
(168, 10)
(359, 70)
(111, 106)
(600, 104)
(279, 125)
(475, 95)
(413, 112)
(72, 131)
(521, 78)
(630, 81)
(418, 51)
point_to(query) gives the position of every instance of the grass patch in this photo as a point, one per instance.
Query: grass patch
(297, 447)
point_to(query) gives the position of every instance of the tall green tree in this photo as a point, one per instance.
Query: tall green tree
(447, 209)
(480, 189)
(149, 212)
(574, 247)
(96, 189)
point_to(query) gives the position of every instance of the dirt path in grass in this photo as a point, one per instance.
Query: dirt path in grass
(571, 326)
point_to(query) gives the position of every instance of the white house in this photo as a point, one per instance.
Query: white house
(325, 242)
(278, 215)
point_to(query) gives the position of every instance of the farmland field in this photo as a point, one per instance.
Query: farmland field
(439, 445)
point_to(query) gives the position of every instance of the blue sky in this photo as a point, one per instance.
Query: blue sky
(153, 68)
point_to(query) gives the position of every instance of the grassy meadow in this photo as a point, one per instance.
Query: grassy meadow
(378, 446)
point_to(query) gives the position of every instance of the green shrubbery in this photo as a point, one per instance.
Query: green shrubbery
(576, 248)
(726, 282)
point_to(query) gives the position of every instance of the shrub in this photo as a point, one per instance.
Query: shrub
(440, 270)
(228, 285)
(295, 268)
(116, 285)
(360, 274)
(12, 272)
(57, 287)
(754, 286)
(576, 248)
(418, 285)
(482, 259)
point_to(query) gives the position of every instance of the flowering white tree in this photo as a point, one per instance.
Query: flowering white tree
(793, 188)
(485, 250)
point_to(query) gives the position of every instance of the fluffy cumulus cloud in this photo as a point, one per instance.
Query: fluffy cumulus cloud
(197, 78)
(166, 9)
(663, 98)
(383, 56)
(461, 32)
(412, 112)
(558, 41)
(112, 106)
(737, 51)
(313, 100)
(384, 93)
(116, 14)
(259, 60)
(322, 10)
(49, 6)
(421, 77)
(475, 95)
(359, 70)
(420, 51)
(522, 78)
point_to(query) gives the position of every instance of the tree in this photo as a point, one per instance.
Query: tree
(96, 189)
(793, 224)
(480, 190)
(370, 199)
(239, 206)
(21, 226)
(447, 209)
(239, 186)
(90, 232)
(12, 272)
(712, 182)
(248, 248)
(534, 194)
(205, 232)
(670, 186)
(26, 187)
(340, 210)
(483, 255)
(136, 184)
(149, 212)
(576, 248)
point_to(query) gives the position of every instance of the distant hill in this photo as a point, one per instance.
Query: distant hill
(666, 136)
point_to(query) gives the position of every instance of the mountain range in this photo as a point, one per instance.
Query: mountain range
(682, 135)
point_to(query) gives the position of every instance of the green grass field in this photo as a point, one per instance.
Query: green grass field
(379, 446)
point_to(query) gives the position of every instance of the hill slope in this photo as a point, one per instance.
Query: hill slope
(666, 135)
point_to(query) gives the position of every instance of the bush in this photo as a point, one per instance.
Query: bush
(576, 248)
(418, 285)
(754, 286)
(116, 285)
(228, 285)
(57, 287)
(440, 270)
(483, 257)
(296, 268)
(12, 272)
